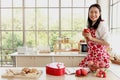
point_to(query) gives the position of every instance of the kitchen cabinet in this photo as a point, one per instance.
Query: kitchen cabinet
(69, 61)
(41, 60)
(76, 60)
(66, 60)
(32, 61)
(25, 61)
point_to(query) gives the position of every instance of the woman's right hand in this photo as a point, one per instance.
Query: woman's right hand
(85, 34)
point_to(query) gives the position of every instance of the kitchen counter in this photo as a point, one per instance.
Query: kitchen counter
(40, 60)
(51, 54)
(90, 76)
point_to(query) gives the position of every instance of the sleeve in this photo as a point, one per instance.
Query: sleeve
(103, 32)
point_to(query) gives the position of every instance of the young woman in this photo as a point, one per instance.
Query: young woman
(97, 39)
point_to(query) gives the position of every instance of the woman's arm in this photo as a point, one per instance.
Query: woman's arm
(99, 41)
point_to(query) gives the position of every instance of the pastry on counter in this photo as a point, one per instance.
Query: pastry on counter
(23, 73)
(27, 70)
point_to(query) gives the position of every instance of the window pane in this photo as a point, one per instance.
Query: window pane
(67, 34)
(42, 38)
(66, 19)
(111, 1)
(114, 16)
(90, 2)
(18, 39)
(53, 3)
(30, 19)
(86, 15)
(78, 3)
(29, 3)
(6, 19)
(116, 32)
(6, 3)
(73, 36)
(118, 15)
(7, 40)
(42, 3)
(76, 36)
(17, 3)
(114, 1)
(17, 19)
(6, 58)
(78, 19)
(53, 19)
(42, 19)
(66, 3)
(30, 38)
(53, 36)
(0, 41)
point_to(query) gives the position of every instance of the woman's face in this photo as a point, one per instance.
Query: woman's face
(94, 14)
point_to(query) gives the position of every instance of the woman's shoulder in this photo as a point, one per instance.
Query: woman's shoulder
(103, 24)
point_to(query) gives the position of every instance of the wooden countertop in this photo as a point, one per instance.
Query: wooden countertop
(90, 76)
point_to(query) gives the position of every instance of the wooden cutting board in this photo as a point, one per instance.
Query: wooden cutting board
(20, 75)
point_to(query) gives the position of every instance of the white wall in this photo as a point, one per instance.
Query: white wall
(105, 9)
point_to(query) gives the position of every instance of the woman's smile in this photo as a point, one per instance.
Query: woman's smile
(94, 14)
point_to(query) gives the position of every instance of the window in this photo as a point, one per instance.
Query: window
(39, 22)
(115, 17)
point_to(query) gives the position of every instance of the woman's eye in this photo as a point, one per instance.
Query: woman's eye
(91, 12)
(96, 12)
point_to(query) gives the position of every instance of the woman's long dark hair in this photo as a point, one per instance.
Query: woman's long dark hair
(95, 26)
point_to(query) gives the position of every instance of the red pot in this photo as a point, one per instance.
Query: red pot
(56, 69)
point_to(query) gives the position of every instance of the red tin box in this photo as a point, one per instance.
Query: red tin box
(56, 69)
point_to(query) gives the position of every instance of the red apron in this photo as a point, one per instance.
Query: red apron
(96, 52)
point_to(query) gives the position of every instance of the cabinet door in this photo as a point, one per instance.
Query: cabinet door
(42, 61)
(25, 61)
(76, 60)
(64, 59)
